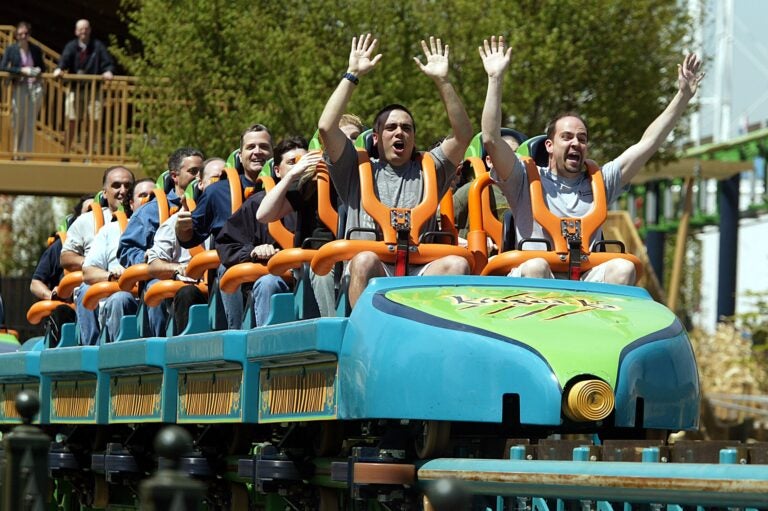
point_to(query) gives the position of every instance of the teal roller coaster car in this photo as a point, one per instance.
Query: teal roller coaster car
(490, 349)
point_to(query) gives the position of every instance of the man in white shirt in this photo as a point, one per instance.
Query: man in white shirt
(117, 184)
(101, 264)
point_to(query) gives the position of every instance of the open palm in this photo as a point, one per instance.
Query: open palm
(360, 60)
(688, 76)
(495, 59)
(437, 59)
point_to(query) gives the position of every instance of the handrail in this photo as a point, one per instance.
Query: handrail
(81, 118)
(50, 56)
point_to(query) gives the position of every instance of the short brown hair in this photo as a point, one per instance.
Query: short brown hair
(254, 128)
(550, 131)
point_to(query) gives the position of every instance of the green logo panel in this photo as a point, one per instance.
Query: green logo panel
(572, 330)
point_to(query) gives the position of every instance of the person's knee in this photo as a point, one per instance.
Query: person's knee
(365, 265)
(536, 268)
(270, 284)
(449, 265)
(620, 271)
(122, 300)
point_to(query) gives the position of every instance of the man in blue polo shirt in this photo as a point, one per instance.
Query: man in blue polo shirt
(215, 207)
(184, 166)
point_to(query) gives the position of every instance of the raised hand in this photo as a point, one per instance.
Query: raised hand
(360, 61)
(495, 59)
(688, 76)
(309, 160)
(184, 225)
(437, 59)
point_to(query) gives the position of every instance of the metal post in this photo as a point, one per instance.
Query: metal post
(26, 457)
(728, 202)
(169, 489)
(655, 236)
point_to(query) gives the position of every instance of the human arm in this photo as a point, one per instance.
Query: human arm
(94, 274)
(107, 65)
(66, 59)
(48, 272)
(635, 157)
(166, 258)
(100, 263)
(139, 235)
(242, 235)
(495, 61)
(164, 270)
(436, 68)
(194, 228)
(275, 206)
(71, 261)
(11, 62)
(360, 63)
(39, 290)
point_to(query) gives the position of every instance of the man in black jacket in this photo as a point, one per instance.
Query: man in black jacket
(83, 55)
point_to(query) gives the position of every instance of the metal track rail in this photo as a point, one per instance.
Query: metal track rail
(728, 483)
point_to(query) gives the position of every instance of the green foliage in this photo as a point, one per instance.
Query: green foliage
(25, 224)
(216, 66)
(755, 322)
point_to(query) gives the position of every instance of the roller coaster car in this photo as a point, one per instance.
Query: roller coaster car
(561, 355)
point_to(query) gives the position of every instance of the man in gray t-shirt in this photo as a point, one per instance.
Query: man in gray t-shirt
(566, 191)
(397, 176)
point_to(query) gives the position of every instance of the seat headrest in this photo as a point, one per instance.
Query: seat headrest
(233, 161)
(535, 148)
(476, 148)
(365, 141)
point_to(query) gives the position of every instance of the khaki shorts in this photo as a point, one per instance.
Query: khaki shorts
(78, 102)
(414, 270)
(596, 274)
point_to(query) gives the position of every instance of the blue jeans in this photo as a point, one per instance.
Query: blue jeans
(88, 321)
(262, 292)
(113, 309)
(157, 317)
(233, 304)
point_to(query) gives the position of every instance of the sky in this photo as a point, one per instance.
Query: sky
(749, 77)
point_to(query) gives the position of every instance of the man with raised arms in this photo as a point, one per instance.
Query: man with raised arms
(397, 175)
(567, 190)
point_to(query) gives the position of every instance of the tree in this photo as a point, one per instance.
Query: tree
(216, 66)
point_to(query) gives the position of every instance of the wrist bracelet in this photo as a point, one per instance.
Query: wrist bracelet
(352, 78)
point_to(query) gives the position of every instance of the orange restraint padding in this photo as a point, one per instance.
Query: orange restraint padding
(42, 309)
(163, 211)
(291, 258)
(482, 219)
(556, 227)
(343, 249)
(277, 230)
(98, 216)
(133, 275)
(239, 274)
(328, 215)
(381, 213)
(235, 188)
(168, 289)
(202, 262)
(101, 290)
(68, 284)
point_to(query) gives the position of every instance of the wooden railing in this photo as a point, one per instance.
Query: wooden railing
(82, 118)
